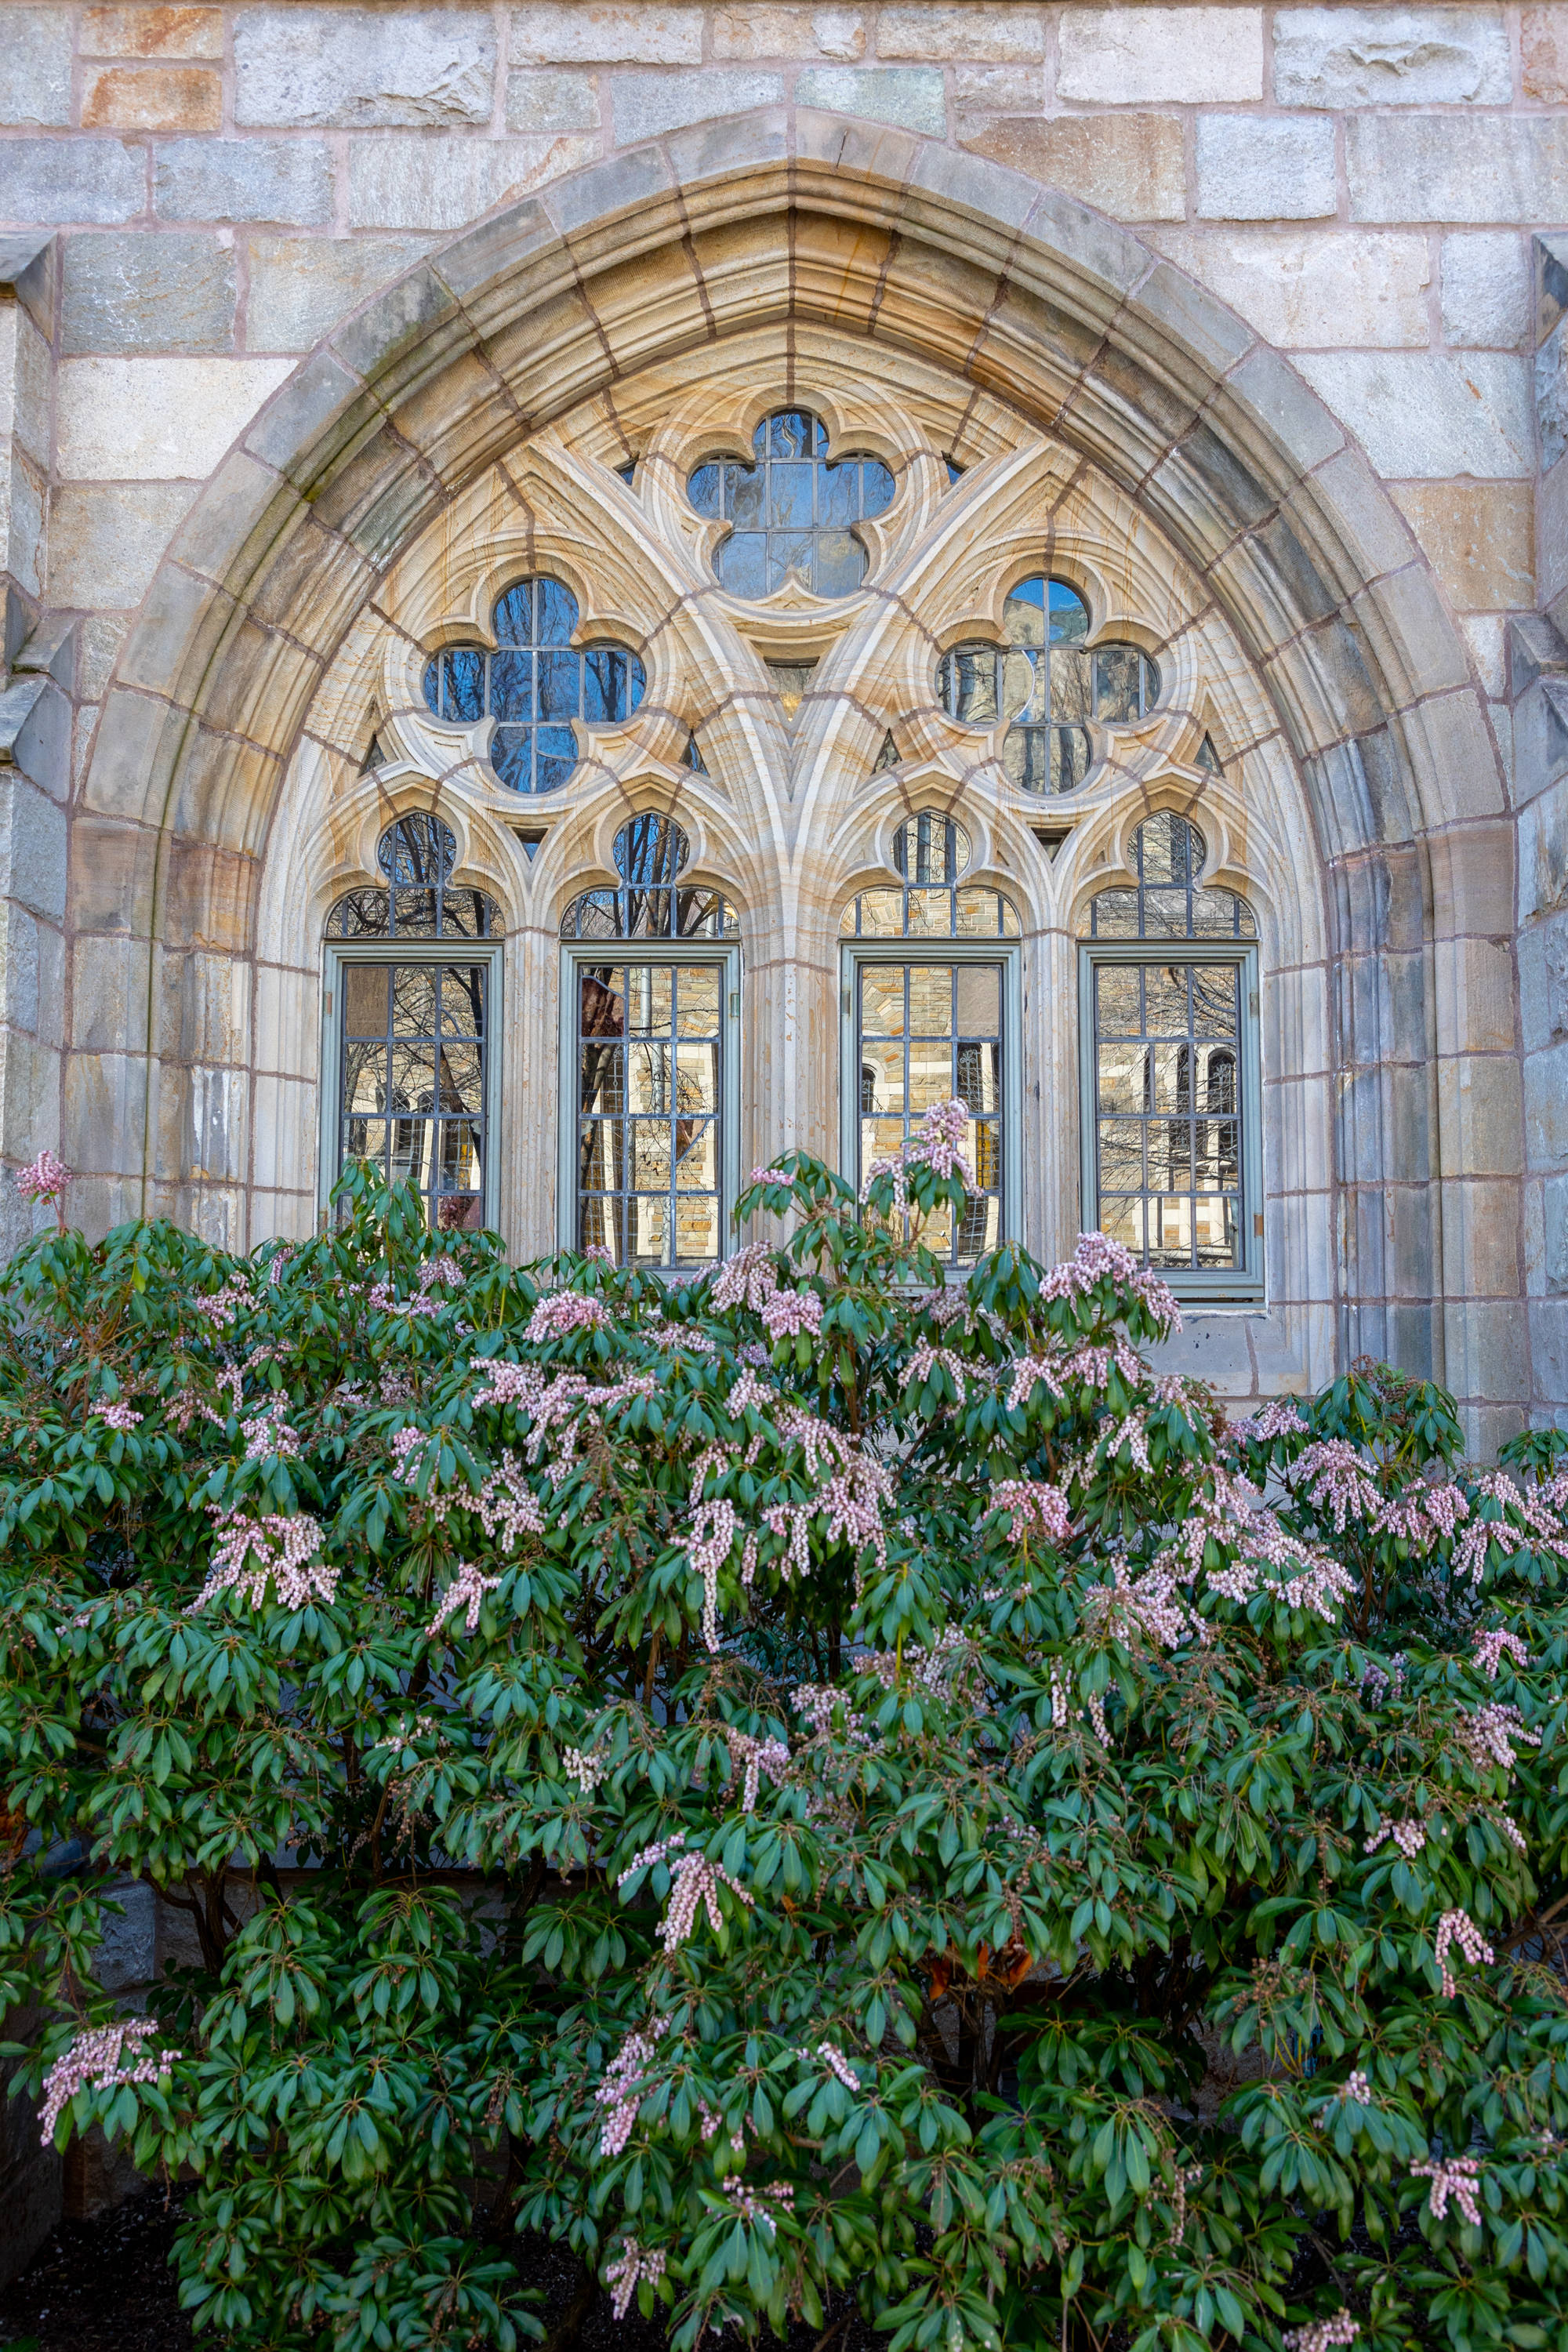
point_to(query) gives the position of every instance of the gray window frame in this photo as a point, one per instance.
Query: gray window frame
(337, 954)
(1242, 1284)
(855, 953)
(724, 953)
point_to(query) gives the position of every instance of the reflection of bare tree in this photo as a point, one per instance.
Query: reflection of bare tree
(601, 1014)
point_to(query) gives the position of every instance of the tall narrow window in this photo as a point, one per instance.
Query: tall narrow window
(412, 982)
(1171, 1083)
(792, 509)
(650, 1136)
(1045, 679)
(928, 1028)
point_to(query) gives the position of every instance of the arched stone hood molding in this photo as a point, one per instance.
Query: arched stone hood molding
(1040, 302)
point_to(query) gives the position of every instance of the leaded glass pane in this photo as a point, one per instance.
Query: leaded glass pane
(535, 685)
(1167, 1043)
(412, 1044)
(928, 1033)
(1168, 855)
(649, 1046)
(417, 854)
(791, 510)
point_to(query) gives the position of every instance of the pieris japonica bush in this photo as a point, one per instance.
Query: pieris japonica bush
(815, 1789)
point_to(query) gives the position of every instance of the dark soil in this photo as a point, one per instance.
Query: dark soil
(105, 2286)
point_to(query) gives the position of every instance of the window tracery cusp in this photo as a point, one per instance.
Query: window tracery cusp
(534, 684)
(792, 509)
(1048, 683)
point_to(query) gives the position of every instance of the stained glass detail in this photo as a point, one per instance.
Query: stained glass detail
(535, 684)
(792, 509)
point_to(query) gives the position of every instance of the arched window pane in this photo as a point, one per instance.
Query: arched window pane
(969, 911)
(417, 854)
(792, 509)
(1048, 684)
(1168, 855)
(650, 854)
(535, 684)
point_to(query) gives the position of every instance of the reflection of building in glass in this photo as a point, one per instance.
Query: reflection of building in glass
(791, 510)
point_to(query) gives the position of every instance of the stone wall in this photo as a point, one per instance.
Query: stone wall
(1358, 186)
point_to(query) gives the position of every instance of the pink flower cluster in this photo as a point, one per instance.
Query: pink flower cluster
(1491, 1734)
(748, 1279)
(465, 1591)
(564, 1311)
(788, 1312)
(1355, 2091)
(1097, 1258)
(1280, 1419)
(587, 1770)
(1037, 1509)
(1336, 1480)
(697, 1884)
(768, 1176)
(267, 1433)
(752, 2204)
(103, 2059)
(621, 2089)
(935, 1142)
(221, 1305)
(1322, 2334)
(924, 1361)
(1410, 1837)
(1490, 1645)
(284, 1553)
(120, 1416)
(1458, 1928)
(44, 1178)
(756, 1757)
(631, 2266)
(1459, 2178)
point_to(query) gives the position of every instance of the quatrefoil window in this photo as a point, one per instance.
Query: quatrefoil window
(792, 509)
(1048, 683)
(535, 684)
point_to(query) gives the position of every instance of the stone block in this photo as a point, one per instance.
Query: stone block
(1486, 289)
(444, 184)
(35, 731)
(1392, 57)
(540, 101)
(1552, 395)
(742, 35)
(1543, 855)
(152, 97)
(1554, 1237)
(35, 82)
(1546, 1107)
(66, 180)
(607, 32)
(243, 180)
(1421, 415)
(998, 89)
(105, 543)
(162, 290)
(362, 69)
(1276, 396)
(1313, 289)
(1456, 167)
(914, 98)
(163, 419)
(1127, 165)
(943, 31)
(33, 844)
(1543, 54)
(152, 32)
(1265, 167)
(1138, 56)
(1483, 634)
(1479, 538)
(645, 106)
(301, 286)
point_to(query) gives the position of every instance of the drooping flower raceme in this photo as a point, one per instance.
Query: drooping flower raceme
(44, 1178)
(250, 1554)
(1459, 2178)
(102, 2060)
(1458, 1928)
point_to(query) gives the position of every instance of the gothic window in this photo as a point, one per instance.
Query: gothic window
(409, 1069)
(927, 1031)
(1048, 684)
(1171, 1155)
(792, 509)
(649, 1047)
(535, 684)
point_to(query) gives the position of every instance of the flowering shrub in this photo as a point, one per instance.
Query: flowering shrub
(813, 1789)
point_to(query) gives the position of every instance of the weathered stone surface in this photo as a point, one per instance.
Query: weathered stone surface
(947, 30)
(998, 89)
(243, 180)
(1260, 167)
(358, 67)
(301, 286)
(1486, 289)
(66, 181)
(105, 543)
(645, 106)
(1130, 57)
(152, 98)
(1313, 289)
(1543, 51)
(537, 102)
(1130, 164)
(1392, 57)
(35, 77)
(152, 32)
(441, 183)
(1420, 416)
(607, 32)
(156, 419)
(913, 96)
(1481, 540)
(164, 291)
(744, 34)
(1552, 395)
(1456, 167)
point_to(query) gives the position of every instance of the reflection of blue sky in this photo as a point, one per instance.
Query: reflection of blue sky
(535, 684)
(791, 510)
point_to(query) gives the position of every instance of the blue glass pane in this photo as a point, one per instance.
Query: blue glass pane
(791, 435)
(789, 551)
(511, 685)
(557, 758)
(557, 613)
(509, 757)
(789, 495)
(836, 499)
(1069, 615)
(514, 617)
(876, 487)
(559, 685)
(463, 684)
(431, 683)
(840, 563)
(703, 487)
(604, 686)
(639, 680)
(743, 564)
(744, 492)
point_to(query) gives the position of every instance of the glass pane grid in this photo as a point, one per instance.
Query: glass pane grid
(535, 684)
(413, 1042)
(1168, 902)
(1048, 683)
(1167, 1062)
(649, 1051)
(792, 509)
(929, 1033)
(417, 854)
